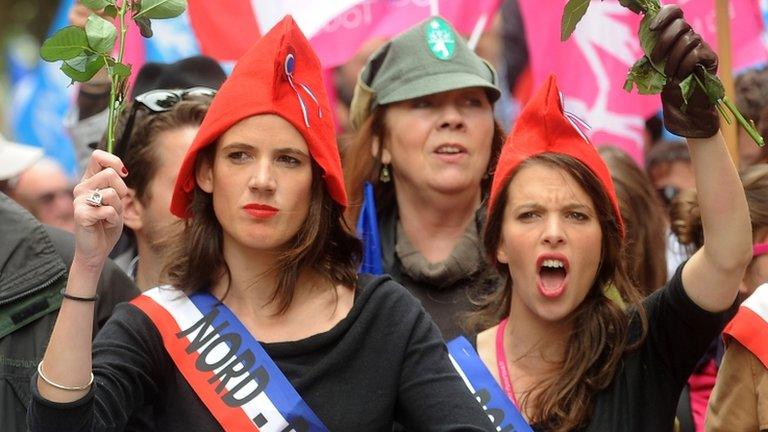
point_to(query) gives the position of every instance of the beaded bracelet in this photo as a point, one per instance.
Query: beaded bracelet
(59, 386)
(76, 298)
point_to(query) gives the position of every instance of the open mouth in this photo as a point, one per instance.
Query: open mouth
(552, 277)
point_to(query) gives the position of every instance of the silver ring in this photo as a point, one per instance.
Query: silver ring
(94, 200)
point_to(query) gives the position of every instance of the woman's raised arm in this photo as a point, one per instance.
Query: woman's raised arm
(65, 372)
(712, 275)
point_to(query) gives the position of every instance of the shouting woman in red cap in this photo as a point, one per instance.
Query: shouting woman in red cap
(570, 357)
(266, 326)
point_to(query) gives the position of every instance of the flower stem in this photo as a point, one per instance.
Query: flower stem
(747, 125)
(116, 81)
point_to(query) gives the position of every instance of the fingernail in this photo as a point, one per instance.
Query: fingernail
(125, 170)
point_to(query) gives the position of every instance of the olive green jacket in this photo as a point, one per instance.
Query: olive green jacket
(33, 269)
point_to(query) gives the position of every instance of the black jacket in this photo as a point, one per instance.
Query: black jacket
(33, 269)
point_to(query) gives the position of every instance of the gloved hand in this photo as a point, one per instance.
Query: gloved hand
(683, 49)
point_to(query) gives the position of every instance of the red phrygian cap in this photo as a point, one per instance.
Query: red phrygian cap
(544, 127)
(279, 75)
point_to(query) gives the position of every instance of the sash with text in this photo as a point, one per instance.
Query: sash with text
(225, 365)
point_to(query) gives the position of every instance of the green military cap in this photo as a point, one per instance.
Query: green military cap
(428, 58)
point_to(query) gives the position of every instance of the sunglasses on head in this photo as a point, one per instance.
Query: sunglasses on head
(156, 101)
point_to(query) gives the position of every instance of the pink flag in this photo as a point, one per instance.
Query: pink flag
(592, 65)
(336, 28)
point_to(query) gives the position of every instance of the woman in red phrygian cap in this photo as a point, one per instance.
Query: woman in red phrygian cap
(568, 355)
(266, 325)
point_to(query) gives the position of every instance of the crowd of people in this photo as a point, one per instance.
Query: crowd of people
(206, 275)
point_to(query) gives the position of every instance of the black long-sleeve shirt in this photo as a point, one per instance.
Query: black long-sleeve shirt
(384, 362)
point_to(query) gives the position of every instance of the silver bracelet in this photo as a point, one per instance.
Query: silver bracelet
(59, 386)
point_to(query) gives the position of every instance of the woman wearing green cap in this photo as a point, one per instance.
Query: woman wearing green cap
(427, 140)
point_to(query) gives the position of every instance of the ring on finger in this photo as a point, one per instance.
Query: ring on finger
(94, 199)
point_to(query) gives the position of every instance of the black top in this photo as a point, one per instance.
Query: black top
(446, 305)
(643, 395)
(384, 362)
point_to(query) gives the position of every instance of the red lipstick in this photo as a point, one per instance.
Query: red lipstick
(260, 211)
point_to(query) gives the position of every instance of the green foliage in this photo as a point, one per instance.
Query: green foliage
(65, 44)
(101, 34)
(159, 9)
(97, 5)
(649, 78)
(82, 68)
(573, 13)
(687, 86)
(645, 77)
(84, 52)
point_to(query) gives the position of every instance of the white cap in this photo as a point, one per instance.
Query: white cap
(15, 158)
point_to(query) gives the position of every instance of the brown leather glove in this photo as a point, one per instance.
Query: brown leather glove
(683, 49)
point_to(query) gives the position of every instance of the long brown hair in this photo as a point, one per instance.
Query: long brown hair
(360, 165)
(601, 328)
(324, 243)
(645, 243)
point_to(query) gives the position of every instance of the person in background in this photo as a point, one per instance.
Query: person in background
(668, 166)
(427, 141)
(644, 218)
(751, 88)
(45, 190)
(567, 354)
(153, 135)
(739, 400)
(34, 260)
(304, 339)
(152, 148)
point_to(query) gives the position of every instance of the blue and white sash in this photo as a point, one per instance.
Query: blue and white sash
(229, 370)
(503, 413)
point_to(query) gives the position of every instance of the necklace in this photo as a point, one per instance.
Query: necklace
(501, 363)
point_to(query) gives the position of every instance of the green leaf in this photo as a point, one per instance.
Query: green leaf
(648, 38)
(647, 79)
(80, 63)
(111, 11)
(145, 26)
(101, 34)
(160, 9)
(687, 86)
(91, 68)
(123, 71)
(635, 6)
(96, 5)
(713, 87)
(65, 44)
(573, 13)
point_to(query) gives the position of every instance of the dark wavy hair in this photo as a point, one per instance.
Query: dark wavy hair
(601, 326)
(324, 243)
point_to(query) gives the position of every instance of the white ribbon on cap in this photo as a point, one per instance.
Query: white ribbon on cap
(289, 75)
(575, 120)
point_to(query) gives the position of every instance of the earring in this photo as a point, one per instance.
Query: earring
(384, 175)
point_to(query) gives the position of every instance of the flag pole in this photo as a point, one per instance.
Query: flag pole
(730, 131)
(474, 38)
(434, 7)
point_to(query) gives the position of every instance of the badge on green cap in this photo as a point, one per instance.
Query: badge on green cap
(440, 39)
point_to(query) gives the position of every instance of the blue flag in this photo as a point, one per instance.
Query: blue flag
(368, 231)
(41, 98)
